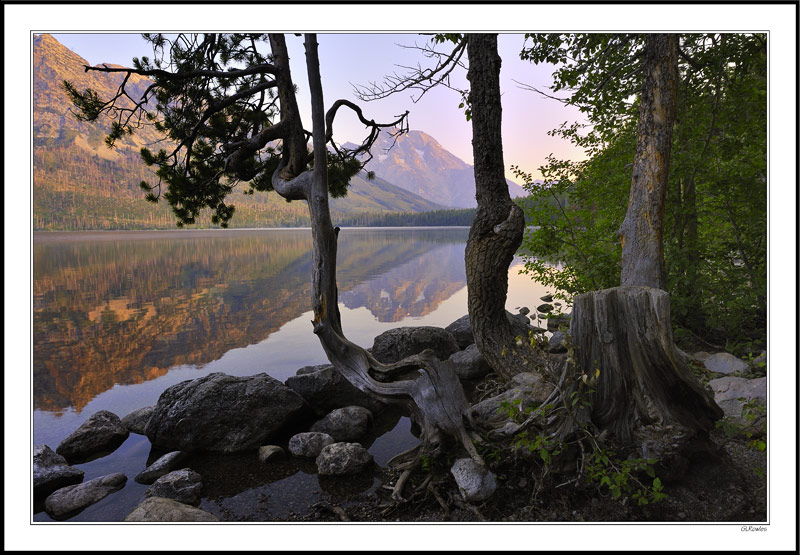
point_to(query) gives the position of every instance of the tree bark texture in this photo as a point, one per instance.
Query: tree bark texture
(625, 332)
(641, 233)
(427, 388)
(496, 233)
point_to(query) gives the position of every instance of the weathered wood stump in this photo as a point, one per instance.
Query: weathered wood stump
(625, 332)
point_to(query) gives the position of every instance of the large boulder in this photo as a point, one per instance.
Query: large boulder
(731, 393)
(161, 509)
(222, 413)
(163, 465)
(324, 389)
(100, 435)
(475, 482)
(344, 424)
(136, 421)
(69, 501)
(51, 472)
(398, 343)
(309, 444)
(725, 363)
(462, 332)
(469, 364)
(343, 458)
(183, 486)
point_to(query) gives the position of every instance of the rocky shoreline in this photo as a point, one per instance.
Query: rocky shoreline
(317, 419)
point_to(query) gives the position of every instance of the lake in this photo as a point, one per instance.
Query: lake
(118, 317)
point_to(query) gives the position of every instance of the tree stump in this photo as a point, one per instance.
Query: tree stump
(625, 332)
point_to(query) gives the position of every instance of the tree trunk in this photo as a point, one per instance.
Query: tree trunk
(641, 233)
(496, 232)
(426, 387)
(625, 332)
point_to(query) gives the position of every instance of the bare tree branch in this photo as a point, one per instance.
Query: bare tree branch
(417, 78)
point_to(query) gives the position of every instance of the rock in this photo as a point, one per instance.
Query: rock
(554, 345)
(725, 363)
(343, 458)
(520, 324)
(544, 308)
(474, 481)
(309, 444)
(324, 389)
(311, 369)
(547, 298)
(182, 485)
(728, 391)
(700, 356)
(462, 332)
(524, 310)
(270, 452)
(51, 472)
(100, 435)
(759, 360)
(161, 509)
(136, 421)
(527, 387)
(162, 465)
(344, 424)
(398, 343)
(69, 501)
(222, 413)
(469, 363)
(556, 321)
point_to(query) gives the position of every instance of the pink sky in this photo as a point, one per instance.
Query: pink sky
(348, 59)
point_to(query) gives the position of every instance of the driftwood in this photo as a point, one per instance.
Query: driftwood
(625, 333)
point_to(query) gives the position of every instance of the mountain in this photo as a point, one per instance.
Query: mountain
(79, 183)
(418, 163)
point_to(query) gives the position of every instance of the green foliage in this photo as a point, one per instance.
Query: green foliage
(715, 216)
(624, 476)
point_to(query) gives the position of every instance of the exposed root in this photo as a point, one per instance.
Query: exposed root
(469, 507)
(445, 507)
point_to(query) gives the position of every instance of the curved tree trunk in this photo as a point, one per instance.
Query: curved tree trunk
(496, 232)
(426, 387)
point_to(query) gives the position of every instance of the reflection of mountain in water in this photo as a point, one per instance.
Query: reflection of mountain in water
(122, 309)
(413, 289)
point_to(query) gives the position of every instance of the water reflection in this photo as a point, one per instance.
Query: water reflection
(123, 308)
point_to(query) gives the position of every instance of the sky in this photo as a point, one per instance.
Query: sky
(348, 59)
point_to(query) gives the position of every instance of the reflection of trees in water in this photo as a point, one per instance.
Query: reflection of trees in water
(124, 311)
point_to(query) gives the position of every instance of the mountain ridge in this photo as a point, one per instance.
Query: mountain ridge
(417, 162)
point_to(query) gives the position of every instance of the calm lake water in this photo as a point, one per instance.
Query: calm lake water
(120, 316)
